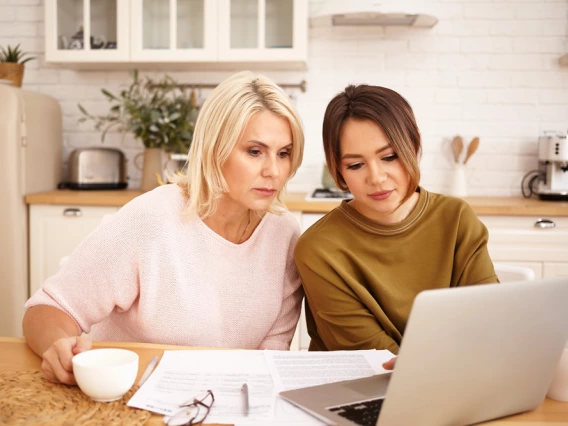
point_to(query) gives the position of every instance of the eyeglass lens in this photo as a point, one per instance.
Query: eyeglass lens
(193, 413)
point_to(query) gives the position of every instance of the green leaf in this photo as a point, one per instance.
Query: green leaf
(155, 112)
(109, 95)
(14, 55)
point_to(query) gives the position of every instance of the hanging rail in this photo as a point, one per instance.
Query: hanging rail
(301, 86)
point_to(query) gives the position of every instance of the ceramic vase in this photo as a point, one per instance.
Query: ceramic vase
(458, 182)
(152, 168)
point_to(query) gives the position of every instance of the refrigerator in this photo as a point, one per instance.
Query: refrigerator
(30, 161)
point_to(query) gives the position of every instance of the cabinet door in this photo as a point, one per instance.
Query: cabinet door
(87, 30)
(527, 239)
(308, 219)
(173, 30)
(555, 269)
(263, 30)
(55, 231)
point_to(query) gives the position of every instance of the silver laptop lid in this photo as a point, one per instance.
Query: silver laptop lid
(476, 353)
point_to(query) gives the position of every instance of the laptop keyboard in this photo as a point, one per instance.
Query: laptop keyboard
(363, 413)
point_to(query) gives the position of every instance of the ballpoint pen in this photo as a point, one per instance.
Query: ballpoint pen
(148, 371)
(245, 393)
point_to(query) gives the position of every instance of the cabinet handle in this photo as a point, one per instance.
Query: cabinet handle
(544, 223)
(72, 212)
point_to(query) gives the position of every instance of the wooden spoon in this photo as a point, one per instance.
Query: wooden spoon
(457, 148)
(471, 148)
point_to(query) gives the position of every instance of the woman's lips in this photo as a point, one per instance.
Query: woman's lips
(265, 192)
(382, 195)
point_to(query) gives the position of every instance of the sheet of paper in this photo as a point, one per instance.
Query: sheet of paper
(293, 370)
(183, 375)
(285, 414)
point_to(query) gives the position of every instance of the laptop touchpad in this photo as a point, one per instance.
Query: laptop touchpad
(375, 386)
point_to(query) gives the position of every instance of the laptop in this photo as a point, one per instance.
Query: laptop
(469, 354)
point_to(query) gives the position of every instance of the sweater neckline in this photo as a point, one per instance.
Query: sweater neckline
(230, 243)
(393, 229)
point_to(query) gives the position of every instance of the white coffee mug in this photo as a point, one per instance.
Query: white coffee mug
(559, 387)
(105, 374)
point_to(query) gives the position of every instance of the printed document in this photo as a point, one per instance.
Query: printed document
(186, 374)
(294, 370)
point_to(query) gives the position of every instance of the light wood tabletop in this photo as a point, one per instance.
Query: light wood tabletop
(15, 355)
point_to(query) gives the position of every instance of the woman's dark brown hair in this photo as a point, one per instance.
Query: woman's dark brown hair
(384, 107)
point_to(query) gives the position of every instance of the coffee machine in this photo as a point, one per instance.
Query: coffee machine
(553, 166)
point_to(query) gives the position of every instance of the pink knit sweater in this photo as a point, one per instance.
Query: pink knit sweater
(148, 275)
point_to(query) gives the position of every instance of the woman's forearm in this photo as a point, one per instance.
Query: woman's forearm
(44, 325)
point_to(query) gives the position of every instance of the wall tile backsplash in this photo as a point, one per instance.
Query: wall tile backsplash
(489, 68)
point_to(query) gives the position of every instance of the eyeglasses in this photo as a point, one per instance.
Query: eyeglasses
(193, 412)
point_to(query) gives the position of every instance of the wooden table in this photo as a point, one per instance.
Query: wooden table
(15, 356)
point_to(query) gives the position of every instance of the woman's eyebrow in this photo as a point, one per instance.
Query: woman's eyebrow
(378, 151)
(254, 141)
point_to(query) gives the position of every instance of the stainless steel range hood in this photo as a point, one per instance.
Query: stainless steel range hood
(373, 12)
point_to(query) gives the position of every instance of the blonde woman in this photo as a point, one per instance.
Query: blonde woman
(207, 261)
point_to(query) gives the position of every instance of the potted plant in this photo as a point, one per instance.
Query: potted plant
(162, 115)
(12, 62)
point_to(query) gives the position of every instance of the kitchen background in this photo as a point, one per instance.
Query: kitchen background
(488, 68)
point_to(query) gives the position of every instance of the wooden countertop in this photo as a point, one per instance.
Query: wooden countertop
(16, 356)
(500, 206)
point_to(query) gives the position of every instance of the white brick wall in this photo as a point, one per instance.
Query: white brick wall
(488, 69)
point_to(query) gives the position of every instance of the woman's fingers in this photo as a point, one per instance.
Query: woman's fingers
(389, 365)
(54, 370)
(64, 350)
(82, 344)
(48, 372)
(57, 364)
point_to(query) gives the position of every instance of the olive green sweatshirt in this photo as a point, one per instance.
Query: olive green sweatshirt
(360, 278)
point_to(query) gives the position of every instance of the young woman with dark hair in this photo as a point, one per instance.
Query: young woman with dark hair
(363, 263)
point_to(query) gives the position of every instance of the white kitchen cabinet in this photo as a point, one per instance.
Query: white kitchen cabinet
(308, 219)
(540, 243)
(263, 30)
(87, 31)
(213, 32)
(55, 231)
(302, 338)
(174, 30)
(555, 269)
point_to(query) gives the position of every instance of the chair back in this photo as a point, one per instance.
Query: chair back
(507, 273)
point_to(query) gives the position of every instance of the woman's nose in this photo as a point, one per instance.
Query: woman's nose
(271, 167)
(377, 175)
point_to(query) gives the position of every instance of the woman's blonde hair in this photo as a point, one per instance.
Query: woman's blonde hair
(220, 124)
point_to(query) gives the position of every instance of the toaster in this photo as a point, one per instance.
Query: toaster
(96, 168)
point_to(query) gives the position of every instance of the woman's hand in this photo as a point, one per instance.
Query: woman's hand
(57, 365)
(389, 365)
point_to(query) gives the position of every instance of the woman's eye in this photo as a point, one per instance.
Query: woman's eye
(254, 152)
(284, 154)
(355, 166)
(390, 157)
